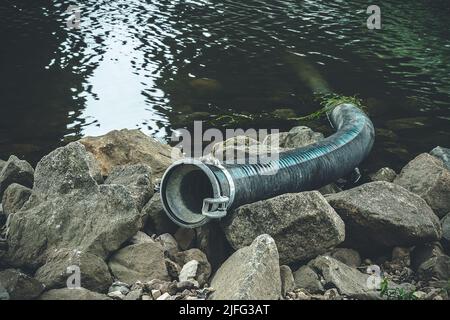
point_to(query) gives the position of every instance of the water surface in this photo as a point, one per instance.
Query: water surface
(160, 65)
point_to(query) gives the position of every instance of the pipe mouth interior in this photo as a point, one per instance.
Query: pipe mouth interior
(183, 189)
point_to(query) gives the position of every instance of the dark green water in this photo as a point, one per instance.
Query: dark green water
(141, 64)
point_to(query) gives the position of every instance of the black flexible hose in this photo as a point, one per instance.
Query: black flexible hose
(193, 192)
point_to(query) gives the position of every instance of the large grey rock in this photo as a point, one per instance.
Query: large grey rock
(348, 256)
(443, 154)
(251, 273)
(385, 214)
(204, 267)
(384, 174)
(72, 294)
(349, 281)
(306, 278)
(296, 137)
(445, 223)
(126, 147)
(19, 285)
(94, 273)
(303, 225)
(140, 262)
(137, 179)
(2, 164)
(156, 220)
(14, 198)
(67, 209)
(15, 171)
(427, 177)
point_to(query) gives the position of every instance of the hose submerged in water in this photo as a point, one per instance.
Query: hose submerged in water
(193, 192)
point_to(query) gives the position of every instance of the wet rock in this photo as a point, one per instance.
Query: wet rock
(306, 278)
(137, 179)
(303, 225)
(349, 281)
(251, 273)
(156, 219)
(20, 286)
(67, 209)
(14, 198)
(94, 273)
(142, 262)
(348, 256)
(443, 154)
(16, 171)
(205, 86)
(427, 177)
(287, 280)
(384, 174)
(204, 267)
(445, 223)
(141, 237)
(72, 294)
(185, 238)
(296, 137)
(127, 147)
(385, 214)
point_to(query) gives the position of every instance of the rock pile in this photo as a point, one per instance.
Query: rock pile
(86, 224)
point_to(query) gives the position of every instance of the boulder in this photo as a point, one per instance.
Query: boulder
(67, 209)
(16, 171)
(94, 273)
(349, 281)
(137, 179)
(303, 225)
(348, 256)
(204, 267)
(141, 237)
(19, 285)
(384, 214)
(236, 148)
(443, 154)
(251, 273)
(130, 147)
(156, 220)
(427, 177)
(14, 198)
(306, 278)
(72, 294)
(140, 262)
(384, 174)
(287, 280)
(297, 137)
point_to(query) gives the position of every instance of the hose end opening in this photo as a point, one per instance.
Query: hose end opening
(189, 190)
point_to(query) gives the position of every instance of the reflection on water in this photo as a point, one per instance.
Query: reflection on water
(159, 65)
